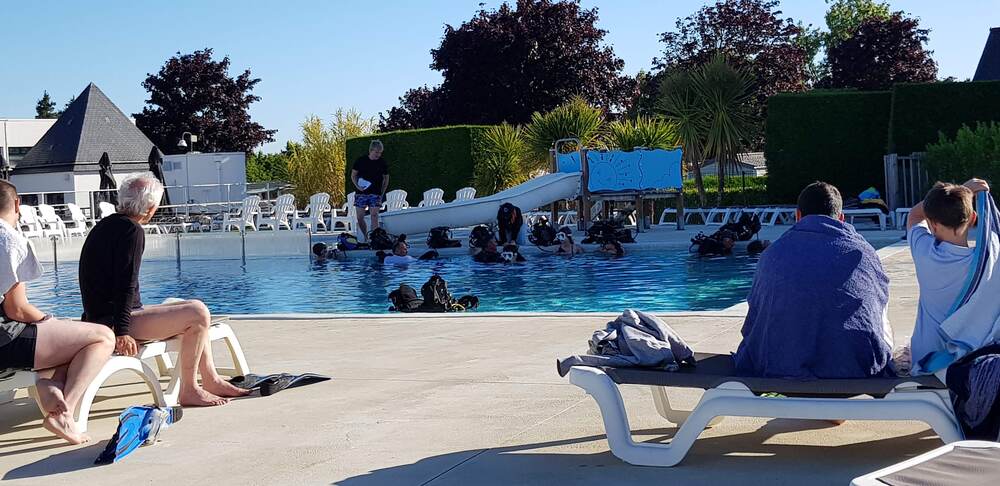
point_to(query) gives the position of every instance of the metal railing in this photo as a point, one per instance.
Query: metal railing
(906, 180)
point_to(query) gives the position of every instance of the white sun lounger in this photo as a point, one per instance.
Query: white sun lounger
(155, 350)
(956, 464)
(922, 398)
(850, 214)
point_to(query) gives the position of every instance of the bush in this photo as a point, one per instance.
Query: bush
(317, 165)
(970, 153)
(838, 137)
(502, 166)
(423, 159)
(642, 131)
(921, 111)
(574, 119)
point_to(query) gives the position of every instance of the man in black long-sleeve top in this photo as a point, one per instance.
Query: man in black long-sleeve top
(109, 285)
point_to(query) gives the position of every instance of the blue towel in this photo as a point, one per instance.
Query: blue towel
(974, 321)
(818, 307)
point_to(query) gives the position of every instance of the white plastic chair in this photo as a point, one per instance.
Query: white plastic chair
(51, 222)
(245, 217)
(850, 214)
(31, 227)
(77, 225)
(465, 194)
(349, 216)
(106, 209)
(312, 217)
(284, 207)
(432, 197)
(395, 200)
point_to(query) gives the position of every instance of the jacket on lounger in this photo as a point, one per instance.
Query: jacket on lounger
(818, 307)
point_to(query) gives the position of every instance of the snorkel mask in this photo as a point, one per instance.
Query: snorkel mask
(560, 237)
(508, 256)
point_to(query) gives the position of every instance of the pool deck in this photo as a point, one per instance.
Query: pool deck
(468, 399)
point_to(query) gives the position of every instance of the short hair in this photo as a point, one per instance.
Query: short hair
(138, 193)
(375, 145)
(949, 204)
(8, 194)
(822, 199)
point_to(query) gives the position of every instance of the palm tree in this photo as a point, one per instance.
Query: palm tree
(681, 105)
(725, 93)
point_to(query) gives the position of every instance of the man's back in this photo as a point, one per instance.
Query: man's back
(817, 307)
(109, 271)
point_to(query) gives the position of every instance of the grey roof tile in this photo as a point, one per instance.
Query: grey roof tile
(989, 63)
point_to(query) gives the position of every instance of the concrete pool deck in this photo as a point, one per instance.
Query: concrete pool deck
(462, 400)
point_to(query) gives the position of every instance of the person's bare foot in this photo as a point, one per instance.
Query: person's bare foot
(223, 388)
(50, 396)
(62, 425)
(197, 397)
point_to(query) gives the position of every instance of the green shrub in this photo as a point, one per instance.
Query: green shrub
(970, 153)
(317, 164)
(921, 111)
(502, 166)
(423, 159)
(573, 119)
(642, 131)
(838, 137)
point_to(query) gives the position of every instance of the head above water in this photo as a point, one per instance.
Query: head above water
(139, 196)
(491, 246)
(820, 199)
(375, 149)
(400, 248)
(950, 206)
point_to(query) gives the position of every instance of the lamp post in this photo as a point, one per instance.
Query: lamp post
(187, 160)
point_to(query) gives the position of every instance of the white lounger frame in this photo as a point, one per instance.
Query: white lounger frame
(872, 479)
(157, 351)
(906, 402)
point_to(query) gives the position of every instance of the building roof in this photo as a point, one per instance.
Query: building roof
(989, 63)
(90, 126)
(749, 159)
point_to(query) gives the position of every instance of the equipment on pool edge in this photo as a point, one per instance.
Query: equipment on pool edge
(138, 426)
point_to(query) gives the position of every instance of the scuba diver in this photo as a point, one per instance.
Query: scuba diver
(722, 241)
(566, 244)
(401, 254)
(491, 254)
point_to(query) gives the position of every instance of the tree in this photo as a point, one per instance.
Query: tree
(263, 167)
(193, 93)
(710, 107)
(881, 53)
(845, 16)
(46, 108)
(68, 102)
(505, 64)
(751, 34)
(319, 163)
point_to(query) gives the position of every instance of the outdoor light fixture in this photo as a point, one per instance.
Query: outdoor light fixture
(183, 144)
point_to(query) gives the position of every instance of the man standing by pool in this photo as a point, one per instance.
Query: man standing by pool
(109, 286)
(370, 175)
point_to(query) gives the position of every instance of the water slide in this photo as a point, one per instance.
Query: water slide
(532, 194)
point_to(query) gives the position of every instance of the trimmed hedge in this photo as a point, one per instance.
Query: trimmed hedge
(838, 137)
(921, 111)
(424, 159)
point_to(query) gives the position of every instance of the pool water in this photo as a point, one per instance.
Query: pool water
(662, 280)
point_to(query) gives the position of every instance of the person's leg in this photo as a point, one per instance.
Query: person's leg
(190, 321)
(374, 216)
(361, 223)
(82, 349)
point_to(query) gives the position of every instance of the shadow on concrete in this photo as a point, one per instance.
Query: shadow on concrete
(738, 459)
(73, 460)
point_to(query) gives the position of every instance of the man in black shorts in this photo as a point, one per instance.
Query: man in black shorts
(370, 175)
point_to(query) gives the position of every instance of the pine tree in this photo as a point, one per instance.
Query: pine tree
(46, 108)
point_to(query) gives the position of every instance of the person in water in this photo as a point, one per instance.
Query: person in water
(492, 254)
(401, 254)
(612, 248)
(566, 244)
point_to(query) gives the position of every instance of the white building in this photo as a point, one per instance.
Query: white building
(17, 136)
(205, 178)
(748, 164)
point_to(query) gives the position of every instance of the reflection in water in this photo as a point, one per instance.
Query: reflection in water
(652, 280)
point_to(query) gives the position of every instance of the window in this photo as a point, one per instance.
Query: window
(17, 153)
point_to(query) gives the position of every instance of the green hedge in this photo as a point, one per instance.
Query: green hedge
(921, 111)
(838, 137)
(424, 159)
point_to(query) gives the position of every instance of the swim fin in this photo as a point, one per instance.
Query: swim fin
(285, 380)
(137, 426)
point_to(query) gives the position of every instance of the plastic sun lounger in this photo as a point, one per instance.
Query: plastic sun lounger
(922, 398)
(958, 464)
(156, 350)
(900, 216)
(850, 214)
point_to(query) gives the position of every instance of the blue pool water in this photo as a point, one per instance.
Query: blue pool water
(663, 280)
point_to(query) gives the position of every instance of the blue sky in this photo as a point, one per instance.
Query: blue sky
(314, 56)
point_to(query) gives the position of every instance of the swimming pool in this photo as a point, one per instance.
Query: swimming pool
(669, 279)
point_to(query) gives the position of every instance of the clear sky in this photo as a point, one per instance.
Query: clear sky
(314, 56)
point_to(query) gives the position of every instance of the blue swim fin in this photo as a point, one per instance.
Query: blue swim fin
(137, 426)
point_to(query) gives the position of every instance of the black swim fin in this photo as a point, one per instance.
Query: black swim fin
(285, 380)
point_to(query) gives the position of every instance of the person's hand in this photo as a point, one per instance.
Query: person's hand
(977, 185)
(126, 346)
